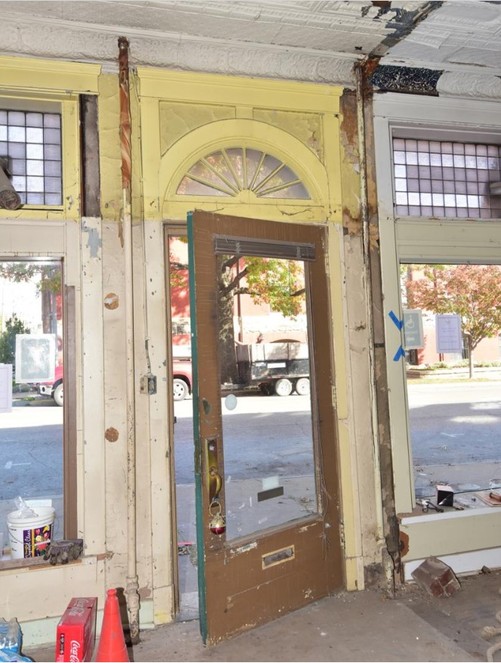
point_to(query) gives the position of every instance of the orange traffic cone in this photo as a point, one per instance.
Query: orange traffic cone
(112, 642)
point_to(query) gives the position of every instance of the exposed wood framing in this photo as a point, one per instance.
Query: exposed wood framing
(91, 204)
(380, 384)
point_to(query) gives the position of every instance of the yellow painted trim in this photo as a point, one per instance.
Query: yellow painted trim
(70, 146)
(109, 149)
(246, 133)
(71, 159)
(56, 76)
(332, 151)
(34, 81)
(177, 211)
(354, 578)
(36, 214)
(238, 91)
(151, 157)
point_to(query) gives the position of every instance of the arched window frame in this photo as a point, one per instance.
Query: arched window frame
(256, 135)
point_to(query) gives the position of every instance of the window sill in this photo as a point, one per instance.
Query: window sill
(40, 213)
(8, 564)
(418, 516)
(472, 503)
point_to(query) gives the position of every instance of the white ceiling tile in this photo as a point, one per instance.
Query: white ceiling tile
(312, 35)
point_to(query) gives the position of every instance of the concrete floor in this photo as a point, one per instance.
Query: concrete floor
(358, 626)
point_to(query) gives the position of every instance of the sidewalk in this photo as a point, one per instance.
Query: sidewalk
(355, 626)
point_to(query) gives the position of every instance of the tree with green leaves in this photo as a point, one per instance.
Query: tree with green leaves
(48, 276)
(13, 326)
(278, 283)
(471, 291)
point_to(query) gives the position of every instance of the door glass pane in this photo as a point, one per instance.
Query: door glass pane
(453, 344)
(264, 355)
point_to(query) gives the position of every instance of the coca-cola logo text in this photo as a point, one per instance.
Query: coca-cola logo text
(74, 651)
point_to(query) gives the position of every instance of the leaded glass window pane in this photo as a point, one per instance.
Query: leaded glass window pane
(34, 119)
(31, 143)
(16, 134)
(34, 167)
(226, 172)
(457, 175)
(34, 151)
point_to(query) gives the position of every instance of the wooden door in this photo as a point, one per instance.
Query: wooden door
(264, 421)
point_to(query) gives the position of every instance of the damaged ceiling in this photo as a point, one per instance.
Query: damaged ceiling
(309, 40)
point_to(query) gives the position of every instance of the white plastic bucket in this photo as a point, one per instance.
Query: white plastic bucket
(30, 537)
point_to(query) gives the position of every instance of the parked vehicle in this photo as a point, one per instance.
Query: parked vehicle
(276, 368)
(280, 367)
(182, 378)
(182, 382)
(55, 388)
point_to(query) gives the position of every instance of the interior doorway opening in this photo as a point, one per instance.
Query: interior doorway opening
(454, 381)
(31, 395)
(184, 467)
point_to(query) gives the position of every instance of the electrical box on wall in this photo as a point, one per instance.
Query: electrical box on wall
(148, 384)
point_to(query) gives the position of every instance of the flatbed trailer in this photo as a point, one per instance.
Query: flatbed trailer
(276, 368)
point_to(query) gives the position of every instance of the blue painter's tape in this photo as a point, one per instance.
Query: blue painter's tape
(399, 354)
(398, 323)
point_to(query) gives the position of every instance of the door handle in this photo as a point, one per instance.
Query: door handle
(215, 483)
(214, 480)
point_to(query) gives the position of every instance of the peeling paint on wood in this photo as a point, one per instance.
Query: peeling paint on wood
(111, 301)
(351, 225)
(102, 556)
(244, 549)
(349, 129)
(304, 529)
(404, 543)
(94, 241)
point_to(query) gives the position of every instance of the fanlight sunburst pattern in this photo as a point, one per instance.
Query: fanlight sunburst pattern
(226, 172)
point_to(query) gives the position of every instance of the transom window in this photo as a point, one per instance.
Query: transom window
(445, 179)
(227, 172)
(31, 142)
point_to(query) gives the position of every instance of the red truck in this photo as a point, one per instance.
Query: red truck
(182, 380)
(181, 373)
(54, 389)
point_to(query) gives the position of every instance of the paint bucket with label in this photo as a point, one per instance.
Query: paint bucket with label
(30, 532)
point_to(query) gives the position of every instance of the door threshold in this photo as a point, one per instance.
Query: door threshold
(188, 607)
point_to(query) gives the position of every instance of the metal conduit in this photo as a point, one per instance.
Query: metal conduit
(125, 233)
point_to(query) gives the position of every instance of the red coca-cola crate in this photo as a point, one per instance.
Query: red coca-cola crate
(76, 631)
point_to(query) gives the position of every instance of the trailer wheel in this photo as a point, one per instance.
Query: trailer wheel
(283, 387)
(303, 386)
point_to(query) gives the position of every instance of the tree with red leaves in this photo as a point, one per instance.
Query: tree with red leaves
(471, 291)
